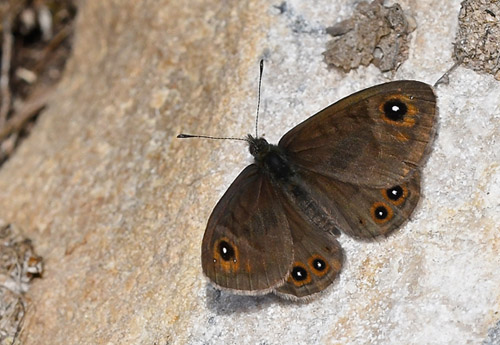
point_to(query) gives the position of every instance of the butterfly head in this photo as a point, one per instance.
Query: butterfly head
(259, 147)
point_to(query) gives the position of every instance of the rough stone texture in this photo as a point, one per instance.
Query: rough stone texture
(478, 36)
(493, 336)
(374, 34)
(117, 206)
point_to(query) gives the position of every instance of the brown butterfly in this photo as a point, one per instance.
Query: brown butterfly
(353, 167)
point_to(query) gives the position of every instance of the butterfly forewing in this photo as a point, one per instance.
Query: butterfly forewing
(247, 245)
(376, 137)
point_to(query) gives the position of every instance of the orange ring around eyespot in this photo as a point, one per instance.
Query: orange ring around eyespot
(400, 200)
(302, 282)
(226, 266)
(310, 261)
(408, 120)
(390, 213)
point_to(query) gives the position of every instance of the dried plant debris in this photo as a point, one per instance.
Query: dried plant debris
(374, 34)
(477, 44)
(35, 43)
(19, 265)
(12, 308)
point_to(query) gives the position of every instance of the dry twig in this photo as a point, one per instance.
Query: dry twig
(30, 109)
(4, 76)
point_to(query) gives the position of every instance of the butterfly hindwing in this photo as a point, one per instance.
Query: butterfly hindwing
(247, 246)
(372, 212)
(369, 212)
(317, 259)
(375, 137)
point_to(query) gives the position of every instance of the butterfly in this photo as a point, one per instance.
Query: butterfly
(354, 167)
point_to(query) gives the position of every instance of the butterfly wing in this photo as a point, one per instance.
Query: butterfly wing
(376, 137)
(366, 212)
(317, 258)
(247, 246)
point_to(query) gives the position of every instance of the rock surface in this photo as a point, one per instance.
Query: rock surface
(117, 206)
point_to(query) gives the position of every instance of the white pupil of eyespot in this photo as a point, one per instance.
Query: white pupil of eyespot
(394, 192)
(299, 274)
(395, 108)
(319, 265)
(224, 250)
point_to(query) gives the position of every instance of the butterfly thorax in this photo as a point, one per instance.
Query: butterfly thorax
(270, 158)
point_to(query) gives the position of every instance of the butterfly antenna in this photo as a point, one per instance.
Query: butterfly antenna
(258, 100)
(185, 136)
